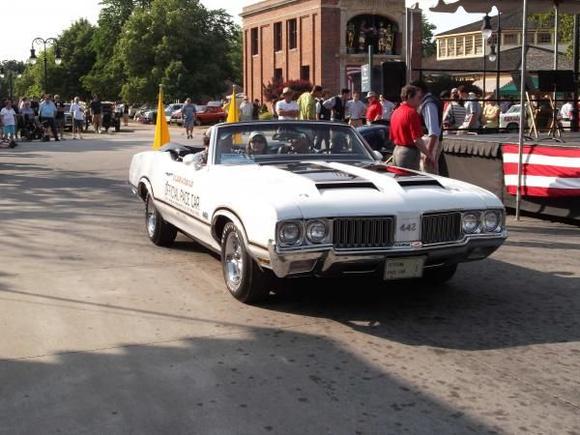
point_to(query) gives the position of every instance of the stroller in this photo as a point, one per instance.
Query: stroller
(31, 129)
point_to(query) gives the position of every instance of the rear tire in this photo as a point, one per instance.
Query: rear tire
(439, 275)
(160, 232)
(244, 279)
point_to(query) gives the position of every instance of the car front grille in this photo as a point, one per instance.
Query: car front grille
(363, 233)
(441, 228)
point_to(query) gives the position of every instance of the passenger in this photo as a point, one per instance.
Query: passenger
(202, 156)
(257, 144)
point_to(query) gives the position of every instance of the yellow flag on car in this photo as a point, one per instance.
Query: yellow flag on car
(161, 129)
(233, 109)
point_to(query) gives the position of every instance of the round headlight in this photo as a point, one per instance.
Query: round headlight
(316, 231)
(470, 223)
(491, 221)
(290, 233)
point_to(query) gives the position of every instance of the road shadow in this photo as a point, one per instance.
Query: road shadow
(247, 381)
(489, 305)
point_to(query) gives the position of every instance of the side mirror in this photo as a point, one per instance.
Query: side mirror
(188, 159)
(377, 155)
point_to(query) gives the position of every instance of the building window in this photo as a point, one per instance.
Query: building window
(510, 39)
(442, 48)
(459, 46)
(292, 34)
(544, 38)
(469, 44)
(375, 30)
(277, 36)
(254, 41)
(479, 45)
(450, 47)
(278, 75)
(305, 72)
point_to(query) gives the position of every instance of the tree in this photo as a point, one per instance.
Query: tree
(11, 70)
(565, 30)
(178, 43)
(106, 77)
(428, 41)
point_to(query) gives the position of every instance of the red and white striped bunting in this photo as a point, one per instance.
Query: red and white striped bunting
(547, 171)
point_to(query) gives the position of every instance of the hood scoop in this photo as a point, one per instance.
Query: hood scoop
(326, 178)
(418, 181)
(355, 184)
(404, 177)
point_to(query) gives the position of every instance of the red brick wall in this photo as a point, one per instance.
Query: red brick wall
(318, 44)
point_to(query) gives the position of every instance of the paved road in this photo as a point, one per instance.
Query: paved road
(101, 332)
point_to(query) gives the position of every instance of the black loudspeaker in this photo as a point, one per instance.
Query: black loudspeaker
(394, 78)
(559, 81)
(517, 79)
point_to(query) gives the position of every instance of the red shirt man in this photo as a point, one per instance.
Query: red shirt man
(406, 130)
(374, 109)
(406, 126)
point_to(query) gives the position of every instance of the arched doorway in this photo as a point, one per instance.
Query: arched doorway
(376, 30)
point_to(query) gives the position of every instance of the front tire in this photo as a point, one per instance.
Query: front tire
(244, 279)
(160, 232)
(439, 275)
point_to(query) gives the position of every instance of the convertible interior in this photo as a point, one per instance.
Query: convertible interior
(178, 152)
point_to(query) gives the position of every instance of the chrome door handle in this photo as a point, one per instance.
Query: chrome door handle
(169, 174)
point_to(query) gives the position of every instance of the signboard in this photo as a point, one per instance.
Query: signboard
(365, 74)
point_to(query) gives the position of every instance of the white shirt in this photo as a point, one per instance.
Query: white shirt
(8, 116)
(355, 109)
(247, 109)
(77, 112)
(388, 108)
(284, 106)
(565, 110)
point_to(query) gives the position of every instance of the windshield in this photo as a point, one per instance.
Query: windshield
(273, 142)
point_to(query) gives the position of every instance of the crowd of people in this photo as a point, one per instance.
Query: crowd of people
(44, 118)
(319, 104)
(415, 124)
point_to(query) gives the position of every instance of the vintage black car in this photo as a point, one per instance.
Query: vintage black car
(111, 118)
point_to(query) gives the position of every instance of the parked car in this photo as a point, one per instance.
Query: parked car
(377, 136)
(68, 122)
(511, 119)
(170, 109)
(276, 202)
(210, 114)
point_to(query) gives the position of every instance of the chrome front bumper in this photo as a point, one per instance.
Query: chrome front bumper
(327, 261)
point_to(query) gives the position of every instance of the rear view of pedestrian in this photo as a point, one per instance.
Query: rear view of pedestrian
(96, 113)
(78, 117)
(188, 113)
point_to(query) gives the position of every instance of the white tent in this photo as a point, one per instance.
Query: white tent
(527, 7)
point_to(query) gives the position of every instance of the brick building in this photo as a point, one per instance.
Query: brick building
(323, 41)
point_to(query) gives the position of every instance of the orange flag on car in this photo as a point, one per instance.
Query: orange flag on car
(161, 129)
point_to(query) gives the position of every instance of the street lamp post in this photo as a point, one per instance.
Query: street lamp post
(45, 43)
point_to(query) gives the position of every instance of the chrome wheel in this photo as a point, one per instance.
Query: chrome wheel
(233, 260)
(151, 219)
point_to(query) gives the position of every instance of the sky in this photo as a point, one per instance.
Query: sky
(46, 19)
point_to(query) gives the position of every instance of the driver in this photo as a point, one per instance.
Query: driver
(257, 144)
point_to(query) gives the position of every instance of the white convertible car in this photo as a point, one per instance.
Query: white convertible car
(292, 199)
